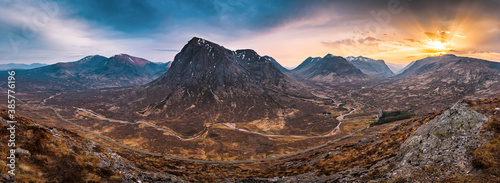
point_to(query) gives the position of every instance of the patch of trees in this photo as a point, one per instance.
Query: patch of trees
(392, 116)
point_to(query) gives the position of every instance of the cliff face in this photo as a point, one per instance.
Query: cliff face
(446, 141)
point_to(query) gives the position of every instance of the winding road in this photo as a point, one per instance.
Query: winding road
(204, 161)
(379, 111)
(230, 125)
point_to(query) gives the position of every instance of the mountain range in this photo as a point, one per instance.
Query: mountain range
(208, 84)
(14, 66)
(433, 83)
(214, 114)
(92, 72)
(330, 68)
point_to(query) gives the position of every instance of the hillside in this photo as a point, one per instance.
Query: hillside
(458, 144)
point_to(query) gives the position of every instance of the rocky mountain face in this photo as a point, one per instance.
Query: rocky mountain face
(92, 72)
(328, 69)
(205, 66)
(371, 67)
(433, 83)
(278, 65)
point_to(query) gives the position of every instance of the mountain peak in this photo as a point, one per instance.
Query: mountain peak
(202, 63)
(202, 43)
(91, 58)
(329, 55)
(127, 59)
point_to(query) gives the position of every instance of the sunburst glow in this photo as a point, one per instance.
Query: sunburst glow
(437, 47)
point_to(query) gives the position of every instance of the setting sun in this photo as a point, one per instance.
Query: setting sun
(437, 47)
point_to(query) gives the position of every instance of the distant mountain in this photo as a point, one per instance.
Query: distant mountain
(92, 72)
(328, 69)
(371, 67)
(306, 63)
(208, 83)
(448, 62)
(278, 65)
(14, 66)
(396, 68)
(433, 83)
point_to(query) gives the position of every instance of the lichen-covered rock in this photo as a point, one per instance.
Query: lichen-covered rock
(446, 141)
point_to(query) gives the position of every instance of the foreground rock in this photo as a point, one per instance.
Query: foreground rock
(447, 141)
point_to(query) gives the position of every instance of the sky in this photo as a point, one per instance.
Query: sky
(397, 31)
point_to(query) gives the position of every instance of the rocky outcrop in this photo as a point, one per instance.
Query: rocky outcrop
(446, 141)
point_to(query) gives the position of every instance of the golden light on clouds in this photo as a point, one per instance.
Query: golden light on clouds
(464, 31)
(438, 43)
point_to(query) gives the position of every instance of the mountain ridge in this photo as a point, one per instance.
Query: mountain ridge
(91, 72)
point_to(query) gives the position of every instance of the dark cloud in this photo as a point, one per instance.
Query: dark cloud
(154, 20)
(147, 16)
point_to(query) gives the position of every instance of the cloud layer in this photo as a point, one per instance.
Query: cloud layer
(397, 31)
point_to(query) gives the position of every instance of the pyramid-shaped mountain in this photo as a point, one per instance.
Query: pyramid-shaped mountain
(208, 83)
(205, 66)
